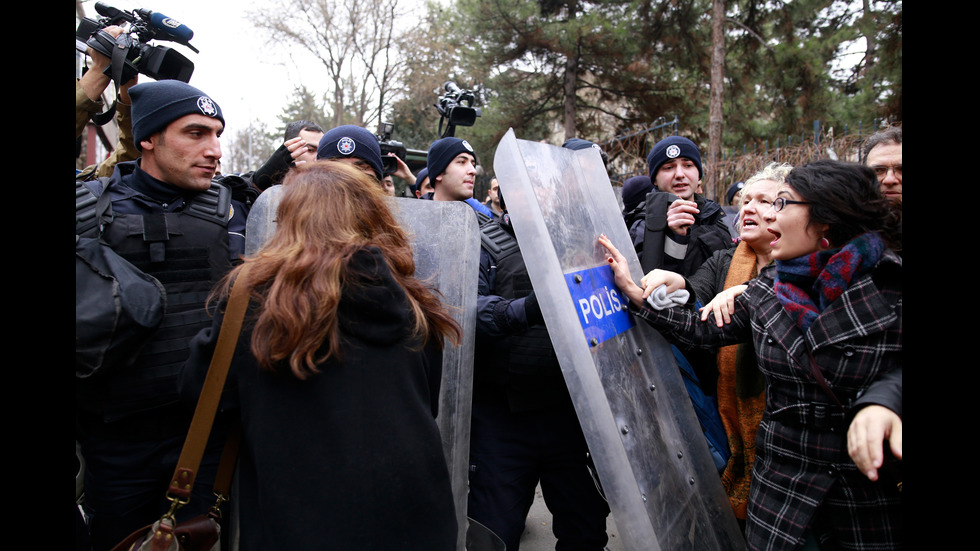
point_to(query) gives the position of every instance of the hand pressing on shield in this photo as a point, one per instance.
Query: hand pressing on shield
(638, 293)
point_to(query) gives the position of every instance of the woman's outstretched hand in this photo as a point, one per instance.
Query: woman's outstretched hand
(621, 271)
(638, 293)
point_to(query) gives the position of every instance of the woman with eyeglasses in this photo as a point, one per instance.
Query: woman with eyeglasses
(826, 323)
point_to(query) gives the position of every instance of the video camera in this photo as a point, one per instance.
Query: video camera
(138, 56)
(456, 106)
(389, 145)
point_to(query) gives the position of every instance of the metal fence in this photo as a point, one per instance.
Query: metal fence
(627, 152)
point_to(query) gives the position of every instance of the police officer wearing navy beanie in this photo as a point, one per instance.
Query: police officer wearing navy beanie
(451, 164)
(355, 146)
(172, 222)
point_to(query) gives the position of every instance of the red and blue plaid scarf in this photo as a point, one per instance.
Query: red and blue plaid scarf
(808, 284)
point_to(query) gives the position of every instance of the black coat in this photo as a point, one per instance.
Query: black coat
(350, 458)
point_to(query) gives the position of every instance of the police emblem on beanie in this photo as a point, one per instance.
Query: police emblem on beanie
(346, 146)
(673, 151)
(467, 145)
(206, 105)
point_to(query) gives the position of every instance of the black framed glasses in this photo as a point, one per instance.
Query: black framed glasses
(781, 203)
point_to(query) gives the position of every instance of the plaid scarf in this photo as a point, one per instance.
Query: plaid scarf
(808, 284)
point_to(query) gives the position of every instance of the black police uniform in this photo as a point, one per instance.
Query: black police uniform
(524, 429)
(131, 422)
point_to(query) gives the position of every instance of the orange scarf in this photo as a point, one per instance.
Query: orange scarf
(741, 396)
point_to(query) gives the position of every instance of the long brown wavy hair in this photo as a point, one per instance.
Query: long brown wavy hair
(328, 212)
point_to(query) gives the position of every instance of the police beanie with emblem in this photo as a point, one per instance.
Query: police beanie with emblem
(157, 104)
(579, 143)
(732, 190)
(351, 141)
(442, 152)
(671, 148)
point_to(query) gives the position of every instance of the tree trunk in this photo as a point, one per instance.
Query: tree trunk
(715, 113)
(571, 78)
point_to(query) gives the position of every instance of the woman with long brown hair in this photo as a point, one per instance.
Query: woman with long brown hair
(336, 377)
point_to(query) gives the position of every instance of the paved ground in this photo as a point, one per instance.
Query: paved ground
(538, 535)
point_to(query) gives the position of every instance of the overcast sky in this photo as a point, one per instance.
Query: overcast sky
(247, 78)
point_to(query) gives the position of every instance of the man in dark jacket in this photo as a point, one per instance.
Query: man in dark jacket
(682, 229)
(170, 221)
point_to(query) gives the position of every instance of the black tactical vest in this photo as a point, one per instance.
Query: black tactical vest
(524, 367)
(187, 252)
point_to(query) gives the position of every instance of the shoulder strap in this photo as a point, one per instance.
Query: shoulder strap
(207, 405)
(91, 209)
(655, 226)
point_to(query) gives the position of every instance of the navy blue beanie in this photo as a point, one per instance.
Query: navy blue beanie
(579, 143)
(732, 190)
(157, 104)
(635, 189)
(351, 141)
(442, 152)
(671, 148)
(419, 178)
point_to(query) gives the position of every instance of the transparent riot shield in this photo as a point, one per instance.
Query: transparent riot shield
(446, 245)
(648, 447)
(261, 222)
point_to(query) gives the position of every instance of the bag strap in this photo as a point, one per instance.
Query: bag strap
(182, 482)
(818, 375)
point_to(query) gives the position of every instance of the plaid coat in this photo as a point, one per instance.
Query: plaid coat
(803, 478)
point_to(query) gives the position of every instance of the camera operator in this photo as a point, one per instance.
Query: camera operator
(88, 102)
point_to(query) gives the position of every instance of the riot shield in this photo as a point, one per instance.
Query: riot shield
(650, 453)
(446, 245)
(261, 222)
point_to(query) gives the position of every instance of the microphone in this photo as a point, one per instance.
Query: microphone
(182, 33)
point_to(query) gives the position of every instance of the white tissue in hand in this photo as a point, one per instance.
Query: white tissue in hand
(660, 299)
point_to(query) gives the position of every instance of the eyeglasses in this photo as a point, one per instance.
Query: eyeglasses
(882, 171)
(781, 202)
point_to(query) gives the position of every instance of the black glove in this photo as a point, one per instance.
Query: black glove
(532, 310)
